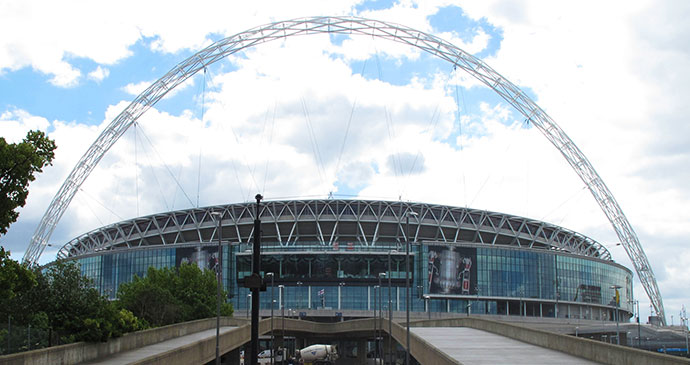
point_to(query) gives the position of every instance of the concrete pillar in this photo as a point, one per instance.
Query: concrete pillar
(362, 351)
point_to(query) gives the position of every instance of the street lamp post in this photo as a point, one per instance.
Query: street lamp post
(219, 273)
(407, 287)
(390, 309)
(617, 300)
(255, 282)
(376, 331)
(340, 288)
(687, 349)
(379, 319)
(426, 304)
(299, 286)
(635, 302)
(684, 323)
(282, 310)
(272, 300)
(249, 298)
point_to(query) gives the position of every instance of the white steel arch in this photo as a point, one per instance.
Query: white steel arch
(373, 28)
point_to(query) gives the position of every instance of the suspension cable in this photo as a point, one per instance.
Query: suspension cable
(397, 165)
(93, 212)
(168, 169)
(573, 196)
(234, 165)
(102, 206)
(347, 131)
(203, 106)
(314, 143)
(136, 167)
(460, 137)
(270, 143)
(347, 128)
(153, 171)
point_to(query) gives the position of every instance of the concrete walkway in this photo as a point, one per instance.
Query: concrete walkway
(475, 347)
(129, 357)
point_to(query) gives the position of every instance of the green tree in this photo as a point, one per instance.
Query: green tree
(150, 298)
(73, 308)
(18, 164)
(14, 280)
(169, 295)
(59, 304)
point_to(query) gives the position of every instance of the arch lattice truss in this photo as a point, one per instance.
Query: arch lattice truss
(371, 28)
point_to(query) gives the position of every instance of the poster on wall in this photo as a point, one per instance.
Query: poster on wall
(452, 270)
(206, 257)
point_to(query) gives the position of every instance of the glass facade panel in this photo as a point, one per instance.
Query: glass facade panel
(485, 279)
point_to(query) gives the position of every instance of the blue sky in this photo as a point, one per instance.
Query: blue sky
(275, 117)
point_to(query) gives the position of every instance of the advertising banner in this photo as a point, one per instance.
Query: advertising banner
(205, 257)
(452, 270)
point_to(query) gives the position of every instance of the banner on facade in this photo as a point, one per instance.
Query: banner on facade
(452, 270)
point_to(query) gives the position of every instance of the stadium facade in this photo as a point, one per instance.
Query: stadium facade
(330, 253)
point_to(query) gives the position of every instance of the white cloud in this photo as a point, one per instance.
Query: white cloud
(614, 78)
(99, 74)
(47, 36)
(17, 122)
(135, 89)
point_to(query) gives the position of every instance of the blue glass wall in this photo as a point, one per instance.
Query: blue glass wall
(495, 280)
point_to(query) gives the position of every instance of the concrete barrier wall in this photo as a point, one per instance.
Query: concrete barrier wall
(83, 351)
(581, 347)
(204, 350)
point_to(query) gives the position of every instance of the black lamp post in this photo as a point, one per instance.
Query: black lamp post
(376, 331)
(255, 283)
(340, 288)
(219, 273)
(428, 308)
(616, 299)
(281, 293)
(407, 286)
(272, 337)
(249, 304)
(379, 319)
(390, 309)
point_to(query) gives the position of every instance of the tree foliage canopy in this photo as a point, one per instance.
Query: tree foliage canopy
(58, 303)
(75, 310)
(170, 295)
(14, 279)
(18, 164)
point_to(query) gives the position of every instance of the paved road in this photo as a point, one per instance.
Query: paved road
(129, 357)
(475, 347)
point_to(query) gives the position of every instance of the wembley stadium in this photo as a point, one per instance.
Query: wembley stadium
(332, 254)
